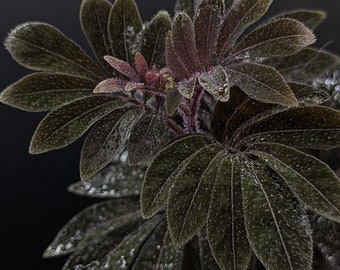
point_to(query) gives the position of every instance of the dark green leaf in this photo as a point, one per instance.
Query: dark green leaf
(172, 101)
(277, 226)
(277, 38)
(308, 95)
(94, 18)
(183, 38)
(313, 127)
(86, 225)
(124, 26)
(310, 18)
(95, 252)
(207, 23)
(225, 225)
(165, 165)
(242, 14)
(189, 197)
(262, 83)
(311, 180)
(306, 65)
(44, 91)
(125, 254)
(117, 180)
(216, 82)
(178, 68)
(68, 123)
(146, 136)
(42, 47)
(106, 139)
(153, 40)
(224, 110)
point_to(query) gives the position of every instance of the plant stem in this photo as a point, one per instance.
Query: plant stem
(193, 123)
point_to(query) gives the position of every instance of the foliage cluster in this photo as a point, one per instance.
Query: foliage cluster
(210, 125)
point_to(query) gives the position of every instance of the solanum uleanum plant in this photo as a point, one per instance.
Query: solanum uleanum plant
(218, 118)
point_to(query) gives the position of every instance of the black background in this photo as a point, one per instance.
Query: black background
(34, 203)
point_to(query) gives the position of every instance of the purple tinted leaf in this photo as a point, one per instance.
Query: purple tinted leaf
(122, 67)
(178, 68)
(172, 101)
(42, 47)
(216, 82)
(94, 18)
(187, 87)
(141, 64)
(44, 91)
(225, 224)
(207, 23)
(68, 123)
(106, 139)
(146, 136)
(183, 38)
(311, 180)
(153, 40)
(111, 85)
(124, 26)
(130, 86)
(310, 18)
(313, 127)
(262, 83)
(241, 14)
(273, 215)
(306, 65)
(277, 38)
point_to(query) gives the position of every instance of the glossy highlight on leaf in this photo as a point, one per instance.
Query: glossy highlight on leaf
(46, 91)
(68, 123)
(41, 47)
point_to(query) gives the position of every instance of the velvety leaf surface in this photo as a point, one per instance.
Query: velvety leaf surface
(117, 180)
(68, 123)
(308, 95)
(277, 38)
(162, 171)
(173, 62)
(125, 254)
(86, 225)
(94, 253)
(146, 136)
(187, 6)
(310, 18)
(42, 47)
(319, 128)
(277, 226)
(306, 65)
(107, 139)
(183, 38)
(207, 23)
(225, 225)
(216, 82)
(45, 91)
(122, 67)
(242, 14)
(172, 101)
(124, 26)
(189, 196)
(261, 83)
(111, 85)
(187, 87)
(311, 180)
(94, 18)
(153, 40)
